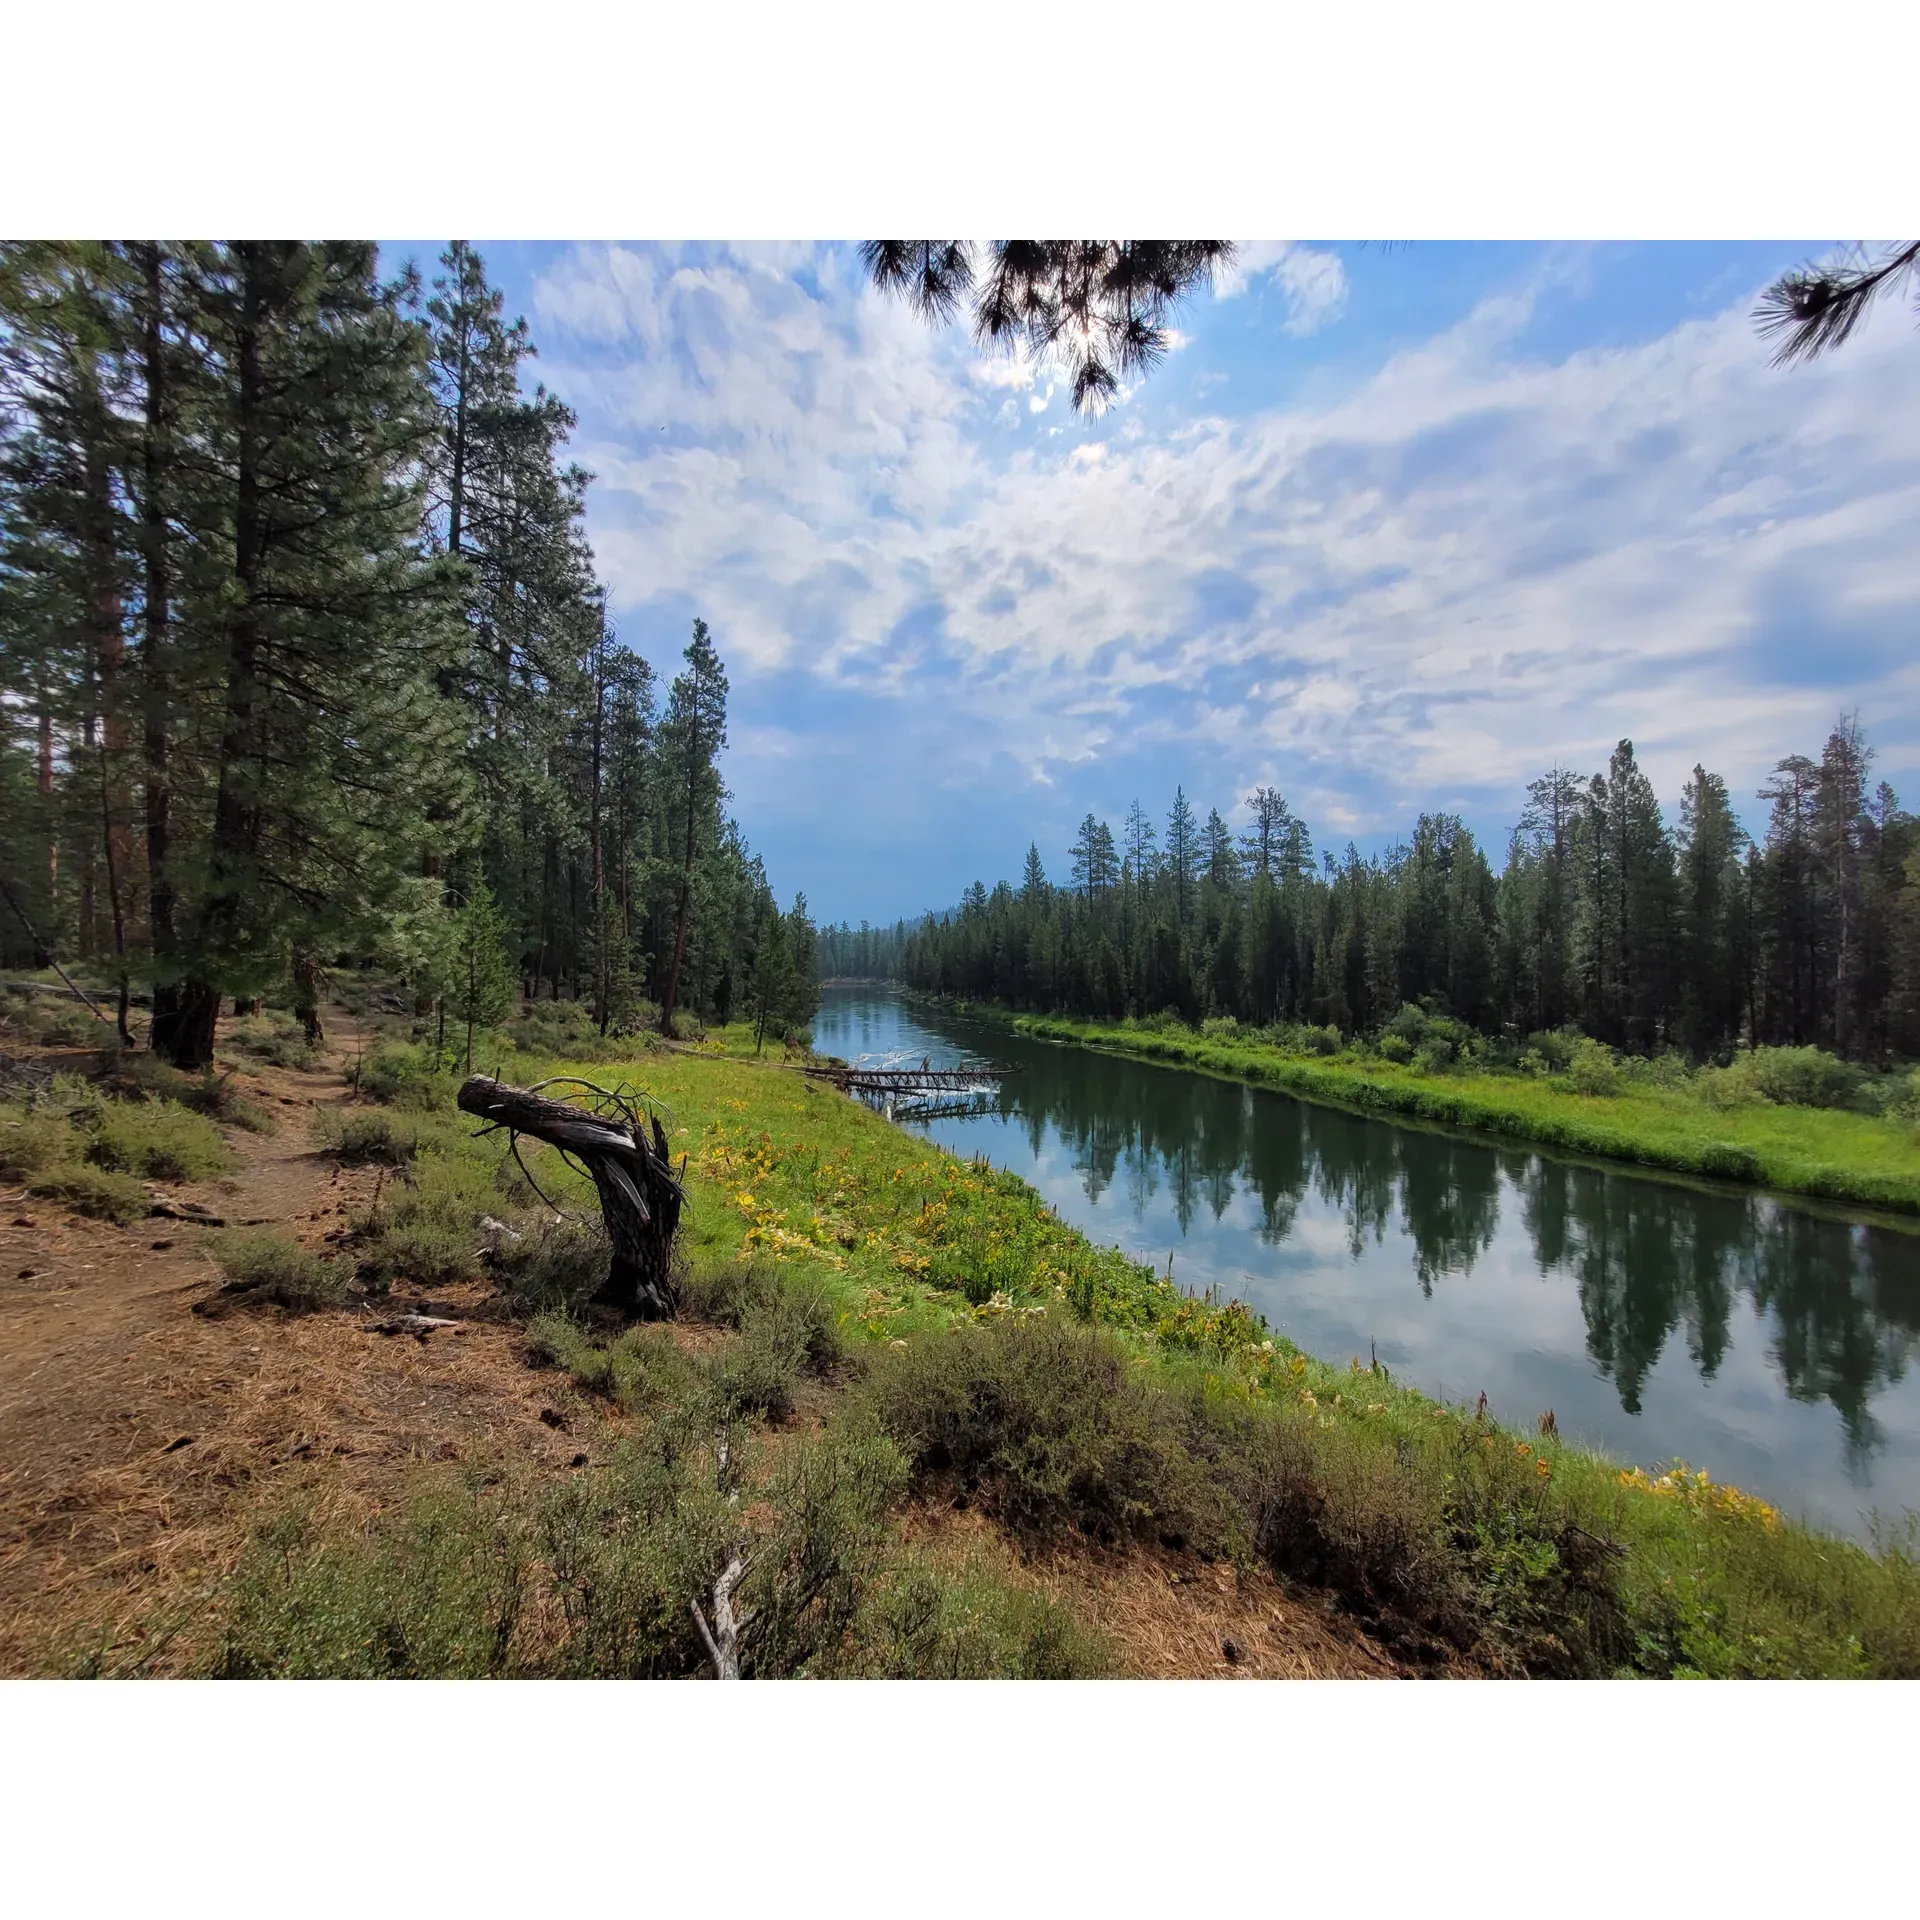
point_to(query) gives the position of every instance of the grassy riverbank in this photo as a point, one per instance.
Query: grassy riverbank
(1854, 1158)
(881, 1342)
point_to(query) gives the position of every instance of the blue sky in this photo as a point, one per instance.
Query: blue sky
(1391, 529)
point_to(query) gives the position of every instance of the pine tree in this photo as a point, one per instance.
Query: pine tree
(321, 623)
(1842, 829)
(485, 979)
(1183, 855)
(1712, 968)
(693, 734)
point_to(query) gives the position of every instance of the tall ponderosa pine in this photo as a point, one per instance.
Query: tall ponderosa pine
(692, 735)
(321, 624)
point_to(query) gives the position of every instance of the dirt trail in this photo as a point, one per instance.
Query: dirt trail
(136, 1434)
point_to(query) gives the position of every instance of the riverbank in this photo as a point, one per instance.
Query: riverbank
(942, 1432)
(1849, 1158)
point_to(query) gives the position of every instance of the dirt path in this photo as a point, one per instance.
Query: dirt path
(137, 1434)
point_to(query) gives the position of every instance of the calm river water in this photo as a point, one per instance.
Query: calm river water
(1765, 1341)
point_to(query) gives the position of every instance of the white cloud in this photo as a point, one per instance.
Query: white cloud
(1473, 563)
(1316, 288)
(1312, 279)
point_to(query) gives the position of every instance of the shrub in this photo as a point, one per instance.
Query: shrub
(1049, 1423)
(1788, 1077)
(431, 1232)
(275, 1038)
(1224, 1028)
(157, 1139)
(553, 1264)
(642, 1370)
(1593, 1069)
(1554, 1051)
(31, 1140)
(481, 1573)
(99, 1195)
(918, 1621)
(1395, 1048)
(407, 1076)
(433, 1589)
(275, 1268)
(358, 1136)
(213, 1095)
(430, 1253)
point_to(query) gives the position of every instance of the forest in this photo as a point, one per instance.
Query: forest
(1604, 919)
(305, 664)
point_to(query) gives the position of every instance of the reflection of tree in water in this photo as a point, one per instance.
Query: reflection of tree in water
(1356, 1170)
(1142, 1178)
(1449, 1204)
(1644, 1258)
(1846, 1312)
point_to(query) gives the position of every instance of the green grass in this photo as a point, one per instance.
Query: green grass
(1855, 1158)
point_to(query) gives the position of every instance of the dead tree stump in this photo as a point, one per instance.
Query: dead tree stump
(640, 1200)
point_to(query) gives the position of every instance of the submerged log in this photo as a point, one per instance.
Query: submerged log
(639, 1197)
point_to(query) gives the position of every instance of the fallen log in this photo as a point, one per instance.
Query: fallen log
(640, 1200)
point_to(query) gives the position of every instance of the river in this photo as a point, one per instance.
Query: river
(1766, 1341)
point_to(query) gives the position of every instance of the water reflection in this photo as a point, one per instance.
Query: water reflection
(1766, 1340)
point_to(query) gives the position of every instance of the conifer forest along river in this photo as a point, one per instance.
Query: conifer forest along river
(1763, 1339)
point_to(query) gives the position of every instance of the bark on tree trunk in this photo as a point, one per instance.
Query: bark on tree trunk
(632, 1172)
(154, 676)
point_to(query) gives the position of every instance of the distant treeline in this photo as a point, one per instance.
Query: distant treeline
(303, 657)
(1602, 918)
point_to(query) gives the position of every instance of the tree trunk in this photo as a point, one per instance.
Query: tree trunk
(162, 1035)
(640, 1199)
(233, 818)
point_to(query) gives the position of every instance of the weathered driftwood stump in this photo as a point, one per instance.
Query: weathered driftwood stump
(639, 1197)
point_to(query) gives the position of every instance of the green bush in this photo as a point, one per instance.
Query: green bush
(430, 1231)
(98, 1195)
(1048, 1424)
(482, 1573)
(918, 1621)
(213, 1095)
(273, 1267)
(1788, 1077)
(275, 1038)
(642, 1370)
(553, 1264)
(157, 1139)
(1554, 1051)
(31, 1140)
(407, 1076)
(430, 1253)
(435, 1589)
(1395, 1048)
(786, 1327)
(1593, 1069)
(358, 1135)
